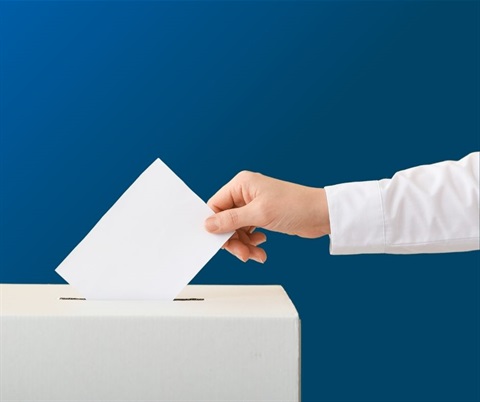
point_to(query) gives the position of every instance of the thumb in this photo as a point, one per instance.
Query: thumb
(230, 220)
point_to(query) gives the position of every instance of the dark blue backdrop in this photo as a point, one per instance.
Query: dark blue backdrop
(313, 92)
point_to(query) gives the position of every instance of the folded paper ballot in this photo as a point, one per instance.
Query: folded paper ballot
(148, 246)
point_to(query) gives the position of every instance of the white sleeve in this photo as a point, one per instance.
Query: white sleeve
(425, 209)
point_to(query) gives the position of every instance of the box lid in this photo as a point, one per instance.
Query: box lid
(218, 301)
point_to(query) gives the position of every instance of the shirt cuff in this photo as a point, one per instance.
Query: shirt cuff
(356, 218)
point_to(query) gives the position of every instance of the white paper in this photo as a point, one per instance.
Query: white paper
(148, 246)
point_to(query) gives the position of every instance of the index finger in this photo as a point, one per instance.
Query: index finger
(229, 196)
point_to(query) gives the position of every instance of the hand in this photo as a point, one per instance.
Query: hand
(252, 200)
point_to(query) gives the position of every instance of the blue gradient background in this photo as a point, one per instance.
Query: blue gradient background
(312, 92)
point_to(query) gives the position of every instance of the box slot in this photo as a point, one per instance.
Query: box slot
(179, 299)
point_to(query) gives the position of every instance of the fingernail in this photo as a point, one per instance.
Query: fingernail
(241, 259)
(257, 259)
(211, 224)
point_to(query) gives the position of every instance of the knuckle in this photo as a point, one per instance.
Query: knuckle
(244, 175)
(233, 217)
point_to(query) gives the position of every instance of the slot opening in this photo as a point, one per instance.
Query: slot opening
(178, 299)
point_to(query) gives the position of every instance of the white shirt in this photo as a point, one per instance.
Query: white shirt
(425, 209)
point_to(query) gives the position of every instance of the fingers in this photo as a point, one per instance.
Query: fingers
(229, 196)
(243, 245)
(246, 252)
(238, 249)
(236, 210)
(257, 238)
(231, 219)
(236, 193)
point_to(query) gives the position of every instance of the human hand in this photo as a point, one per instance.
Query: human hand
(252, 200)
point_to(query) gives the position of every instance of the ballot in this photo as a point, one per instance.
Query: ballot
(148, 246)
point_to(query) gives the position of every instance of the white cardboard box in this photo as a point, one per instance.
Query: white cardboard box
(241, 343)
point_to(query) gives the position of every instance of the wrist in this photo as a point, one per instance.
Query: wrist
(324, 217)
(316, 218)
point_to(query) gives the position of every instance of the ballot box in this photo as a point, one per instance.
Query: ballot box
(214, 343)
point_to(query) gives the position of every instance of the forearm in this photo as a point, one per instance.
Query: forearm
(426, 209)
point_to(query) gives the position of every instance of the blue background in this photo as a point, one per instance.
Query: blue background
(312, 92)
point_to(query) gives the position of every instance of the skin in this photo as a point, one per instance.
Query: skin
(252, 200)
